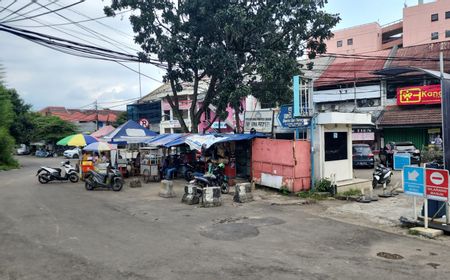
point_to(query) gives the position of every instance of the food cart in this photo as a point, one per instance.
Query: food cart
(151, 158)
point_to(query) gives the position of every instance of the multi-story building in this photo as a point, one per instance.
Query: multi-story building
(421, 24)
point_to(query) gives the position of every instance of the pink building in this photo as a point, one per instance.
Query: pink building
(426, 23)
(421, 24)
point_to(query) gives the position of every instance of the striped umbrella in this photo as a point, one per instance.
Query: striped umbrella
(100, 147)
(77, 140)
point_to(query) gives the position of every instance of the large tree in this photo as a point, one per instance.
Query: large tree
(22, 125)
(238, 46)
(51, 128)
(6, 140)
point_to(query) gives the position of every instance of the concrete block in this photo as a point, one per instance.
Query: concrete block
(166, 190)
(427, 232)
(243, 193)
(135, 183)
(212, 197)
(190, 195)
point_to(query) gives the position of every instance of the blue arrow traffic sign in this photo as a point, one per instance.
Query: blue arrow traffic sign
(414, 180)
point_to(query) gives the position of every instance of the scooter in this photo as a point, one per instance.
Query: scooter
(216, 178)
(111, 180)
(381, 175)
(193, 169)
(47, 174)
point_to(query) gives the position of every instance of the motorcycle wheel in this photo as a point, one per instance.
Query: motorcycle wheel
(117, 184)
(73, 178)
(88, 185)
(225, 188)
(388, 180)
(374, 183)
(42, 179)
(188, 175)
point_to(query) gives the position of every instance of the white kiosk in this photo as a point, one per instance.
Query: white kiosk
(333, 147)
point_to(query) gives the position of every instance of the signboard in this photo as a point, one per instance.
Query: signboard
(261, 121)
(401, 160)
(215, 125)
(414, 180)
(144, 122)
(287, 119)
(419, 95)
(365, 136)
(436, 184)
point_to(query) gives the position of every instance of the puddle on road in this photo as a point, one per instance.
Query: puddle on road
(389, 256)
(236, 228)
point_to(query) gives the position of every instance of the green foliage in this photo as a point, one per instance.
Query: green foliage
(323, 185)
(51, 128)
(285, 191)
(432, 153)
(121, 119)
(6, 141)
(22, 125)
(351, 192)
(240, 46)
(312, 195)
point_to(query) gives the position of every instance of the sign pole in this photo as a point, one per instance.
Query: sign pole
(425, 220)
(415, 208)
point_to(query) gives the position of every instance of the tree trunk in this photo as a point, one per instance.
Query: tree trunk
(237, 119)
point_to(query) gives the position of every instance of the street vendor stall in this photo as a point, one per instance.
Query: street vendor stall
(150, 163)
(98, 156)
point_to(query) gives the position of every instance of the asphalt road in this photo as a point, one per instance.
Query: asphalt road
(61, 231)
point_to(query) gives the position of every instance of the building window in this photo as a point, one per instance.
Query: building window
(350, 41)
(447, 33)
(339, 43)
(447, 14)
(434, 35)
(335, 146)
(166, 116)
(434, 17)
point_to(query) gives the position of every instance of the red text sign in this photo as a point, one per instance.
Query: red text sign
(419, 95)
(436, 184)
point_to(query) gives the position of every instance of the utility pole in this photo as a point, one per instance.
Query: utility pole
(96, 115)
(140, 87)
(445, 106)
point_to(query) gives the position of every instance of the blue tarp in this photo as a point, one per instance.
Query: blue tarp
(163, 139)
(239, 137)
(130, 132)
(177, 142)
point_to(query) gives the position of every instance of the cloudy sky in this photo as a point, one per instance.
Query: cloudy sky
(45, 77)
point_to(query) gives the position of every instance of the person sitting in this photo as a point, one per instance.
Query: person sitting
(172, 168)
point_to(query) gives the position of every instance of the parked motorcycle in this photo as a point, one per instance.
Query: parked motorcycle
(44, 153)
(192, 169)
(111, 180)
(47, 174)
(381, 175)
(216, 178)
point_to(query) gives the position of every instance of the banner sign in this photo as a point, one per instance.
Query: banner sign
(401, 160)
(261, 121)
(287, 119)
(419, 95)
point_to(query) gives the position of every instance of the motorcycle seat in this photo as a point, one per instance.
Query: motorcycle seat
(202, 179)
(210, 176)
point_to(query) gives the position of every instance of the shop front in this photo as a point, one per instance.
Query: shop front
(416, 118)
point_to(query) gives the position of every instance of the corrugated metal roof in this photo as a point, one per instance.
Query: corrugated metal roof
(346, 70)
(419, 54)
(410, 116)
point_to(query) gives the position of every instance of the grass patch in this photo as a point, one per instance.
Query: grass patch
(351, 192)
(413, 232)
(4, 167)
(313, 195)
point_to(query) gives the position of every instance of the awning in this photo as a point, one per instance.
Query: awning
(163, 139)
(398, 116)
(130, 132)
(240, 137)
(177, 142)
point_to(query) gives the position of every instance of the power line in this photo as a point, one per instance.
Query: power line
(46, 13)
(12, 3)
(16, 11)
(68, 23)
(138, 72)
(33, 10)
